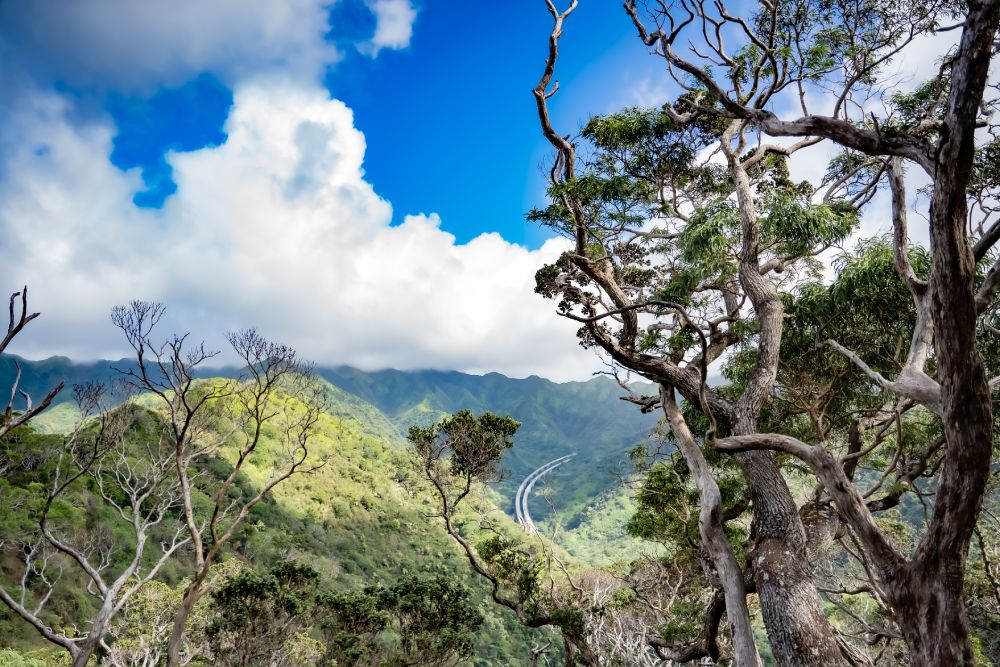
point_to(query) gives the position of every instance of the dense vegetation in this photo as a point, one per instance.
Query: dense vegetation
(831, 487)
(822, 488)
(556, 419)
(359, 522)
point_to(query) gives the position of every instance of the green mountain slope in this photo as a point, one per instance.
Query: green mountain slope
(557, 418)
(360, 519)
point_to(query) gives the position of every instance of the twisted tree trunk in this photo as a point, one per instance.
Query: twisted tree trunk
(927, 594)
(799, 633)
(713, 538)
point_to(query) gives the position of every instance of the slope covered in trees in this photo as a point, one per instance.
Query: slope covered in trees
(557, 418)
(361, 520)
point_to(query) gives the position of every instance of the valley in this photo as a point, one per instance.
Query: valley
(365, 516)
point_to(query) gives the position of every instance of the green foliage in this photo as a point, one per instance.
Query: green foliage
(570, 621)
(667, 505)
(512, 564)
(923, 103)
(707, 240)
(793, 225)
(629, 129)
(270, 618)
(866, 309)
(598, 534)
(433, 618)
(259, 616)
(475, 445)
(684, 624)
(986, 168)
(646, 142)
(44, 658)
(350, 623)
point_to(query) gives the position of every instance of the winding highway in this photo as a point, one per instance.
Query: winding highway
(524, 490)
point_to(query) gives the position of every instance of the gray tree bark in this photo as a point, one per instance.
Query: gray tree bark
(712, 536)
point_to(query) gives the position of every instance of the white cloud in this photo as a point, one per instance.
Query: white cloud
(124, 44)
(393, 24)
(275, 228)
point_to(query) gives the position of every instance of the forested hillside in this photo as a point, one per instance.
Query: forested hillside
(362, 519)
(557, 418)
(763, 240)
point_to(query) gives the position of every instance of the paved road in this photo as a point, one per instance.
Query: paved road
(524, 490)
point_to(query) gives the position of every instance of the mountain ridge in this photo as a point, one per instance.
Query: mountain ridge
(557, 418)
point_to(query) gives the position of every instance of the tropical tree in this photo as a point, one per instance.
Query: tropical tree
(693, 245)
(204, 417)
(432, 617)
(269, 618)
(456, 456)
(351, 624)
(263, 619)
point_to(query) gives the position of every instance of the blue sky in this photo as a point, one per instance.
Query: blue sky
(351, 177)
(449, 120)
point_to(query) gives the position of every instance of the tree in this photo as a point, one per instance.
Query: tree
(140, 633)
(351, 623)
(619, 272)
(267, 619)
(455, 455)
(679, 262)
(432, 617)
(262, 619)
(204, 418)
(17, 318)
(129, 471)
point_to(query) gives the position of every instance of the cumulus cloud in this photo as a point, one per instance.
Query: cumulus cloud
(277, 228)
(393, 25)
(123, 44)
